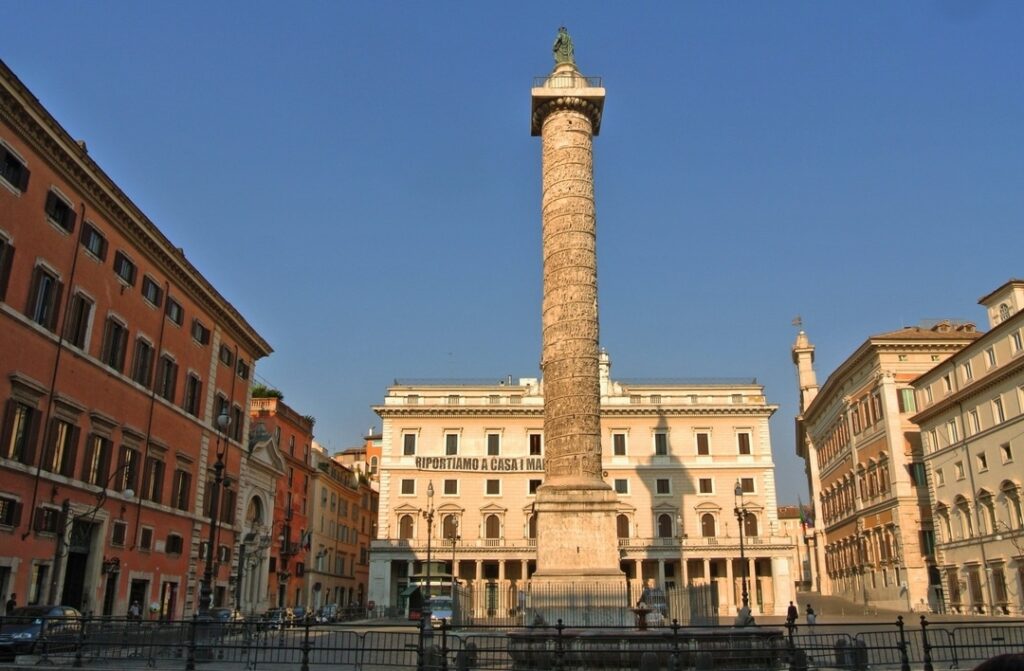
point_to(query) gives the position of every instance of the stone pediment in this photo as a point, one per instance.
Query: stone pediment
(450, 508)
(407, 509)
(665, 507)
(265, 453)
(707, 506)
(493, 508)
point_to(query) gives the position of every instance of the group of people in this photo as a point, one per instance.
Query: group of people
(793, 613)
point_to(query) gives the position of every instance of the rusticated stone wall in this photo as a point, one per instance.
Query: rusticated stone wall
(569, 359)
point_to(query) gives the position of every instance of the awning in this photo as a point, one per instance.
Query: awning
(409, 590)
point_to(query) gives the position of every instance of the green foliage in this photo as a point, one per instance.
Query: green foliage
(263, 391)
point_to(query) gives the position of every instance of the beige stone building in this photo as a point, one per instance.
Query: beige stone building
(971, 414)
(872, 540)
(671, 450)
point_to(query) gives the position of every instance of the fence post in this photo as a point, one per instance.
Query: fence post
(305, 646)
(904, 660)
(559, 646)
(444, 644)
(926, 645)
(676, 664)
(190, 661)
(81, 642)
(420, 647)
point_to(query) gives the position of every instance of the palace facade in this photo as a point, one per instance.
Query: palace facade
(673, 451)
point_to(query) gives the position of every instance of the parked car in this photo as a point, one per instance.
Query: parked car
(227, 615)
(276, 618)
(328, 613)
(299, 615)
(24, 627)
(441, 608)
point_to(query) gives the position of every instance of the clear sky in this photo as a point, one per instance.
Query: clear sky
(360, 181)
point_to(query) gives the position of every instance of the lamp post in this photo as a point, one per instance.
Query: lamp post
(741, 514)
(206, 587)
(428, 515)
(455, 539)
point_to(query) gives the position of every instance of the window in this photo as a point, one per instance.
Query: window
(146, 538)
(93, 241)
(743, 443)
(77, 328)
(940, 477)
(13, 169)
(706, 486)
(200, 333)
(952, 432)
(536, 444)
(226, 357)
(492, 487)
(990, 357)
(175, 312)
(664, 526)
(238, 423)
(151, 291)
(907, 401)
(193, 393)
(408, 487)
(453, 399)
(62, 450)
(412, 399)
(968, 371)
(1006, 453)
(660, 443)
(153, 480)
(20, 431)
(621, 486)
(1018, 345)
(10, 512)
(242, 369)
(60, 212)
(656, 399)
(96, 466)
(128, 469)
(408, 444)
(998, 415)
(917, 474)
(44, 298)
(142, 366)
(451, 444)
(619, 444)
(124, 268)
(974, 423)
(174, 545)
(959, 466)
(47, 519)
(533, 485)
(662, 486)
(928, 395)
(703, 443)
(115, 342)
(167, 377)
(708, 526)
(182, 489)
(635, 399)
(947, 383)
(451, 487)
(118, 533)
(6, 257)
(982, 462)
(493, 444)
(747, 485)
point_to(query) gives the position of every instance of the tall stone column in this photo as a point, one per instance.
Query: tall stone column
(575, 507)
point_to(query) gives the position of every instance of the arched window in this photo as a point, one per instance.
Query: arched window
(947, 530)
(1012, 496)
(450, 526)
(964, 513)
(492, 527)
(1004, 312)
(373, 465)
(664, 526)
(707, 525)
(750, 524)
(254, 513)
(405, 527)
(531, 529)
(622, 526)
(986, 501)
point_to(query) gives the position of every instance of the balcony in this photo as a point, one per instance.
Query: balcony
(657, 546)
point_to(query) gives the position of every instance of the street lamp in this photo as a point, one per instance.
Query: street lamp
(741, 515)
(455, 539)
(428, 515)
(206, 587)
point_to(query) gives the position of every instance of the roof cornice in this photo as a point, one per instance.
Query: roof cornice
(389, 411)
(979, 386)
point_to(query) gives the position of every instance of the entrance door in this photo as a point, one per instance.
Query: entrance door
(168, 600)
(74, 581)
(139, 592)
(110, 593)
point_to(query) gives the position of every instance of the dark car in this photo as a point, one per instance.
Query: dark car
(23, 628)
(226, 615)
(276, 618)
(299, 615)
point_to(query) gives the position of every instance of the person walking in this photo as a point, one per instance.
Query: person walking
(811, 617)
(135, 611)
(792, 613)
(11, 604)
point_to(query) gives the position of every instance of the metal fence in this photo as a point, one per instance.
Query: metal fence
(376, 645)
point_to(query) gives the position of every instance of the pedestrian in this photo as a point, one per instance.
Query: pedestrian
(811, 617)
(792, 614)
(12, 603)
(134, 611)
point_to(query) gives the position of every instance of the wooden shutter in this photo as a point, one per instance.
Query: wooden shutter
(28, 456)
(23, 184)
(16, 515)
(6, 260)
(55, 305)
(33, 290)
(8, 427)
(90, 447)
(49, 446)
(51, 201)
(70, 218)
(71, 454)
(104, 466)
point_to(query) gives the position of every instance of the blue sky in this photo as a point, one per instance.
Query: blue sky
(360, 181)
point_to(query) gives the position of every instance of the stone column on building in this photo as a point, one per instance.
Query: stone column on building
(576, 539)
(731, 592)
(661, 573)
(683, 573)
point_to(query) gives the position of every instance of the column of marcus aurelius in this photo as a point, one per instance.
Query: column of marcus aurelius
(575, 507)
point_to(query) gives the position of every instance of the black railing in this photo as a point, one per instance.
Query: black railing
(399, 644)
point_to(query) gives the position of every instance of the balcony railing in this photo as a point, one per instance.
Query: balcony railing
(636, 543)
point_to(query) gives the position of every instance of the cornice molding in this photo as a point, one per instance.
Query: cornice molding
(391, 411)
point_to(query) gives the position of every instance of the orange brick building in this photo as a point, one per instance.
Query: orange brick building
(293, 436)
(116, 358)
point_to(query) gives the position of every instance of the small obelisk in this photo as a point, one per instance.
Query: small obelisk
(575, 507)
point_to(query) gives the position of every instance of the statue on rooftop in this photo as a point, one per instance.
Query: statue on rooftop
(563, 48)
